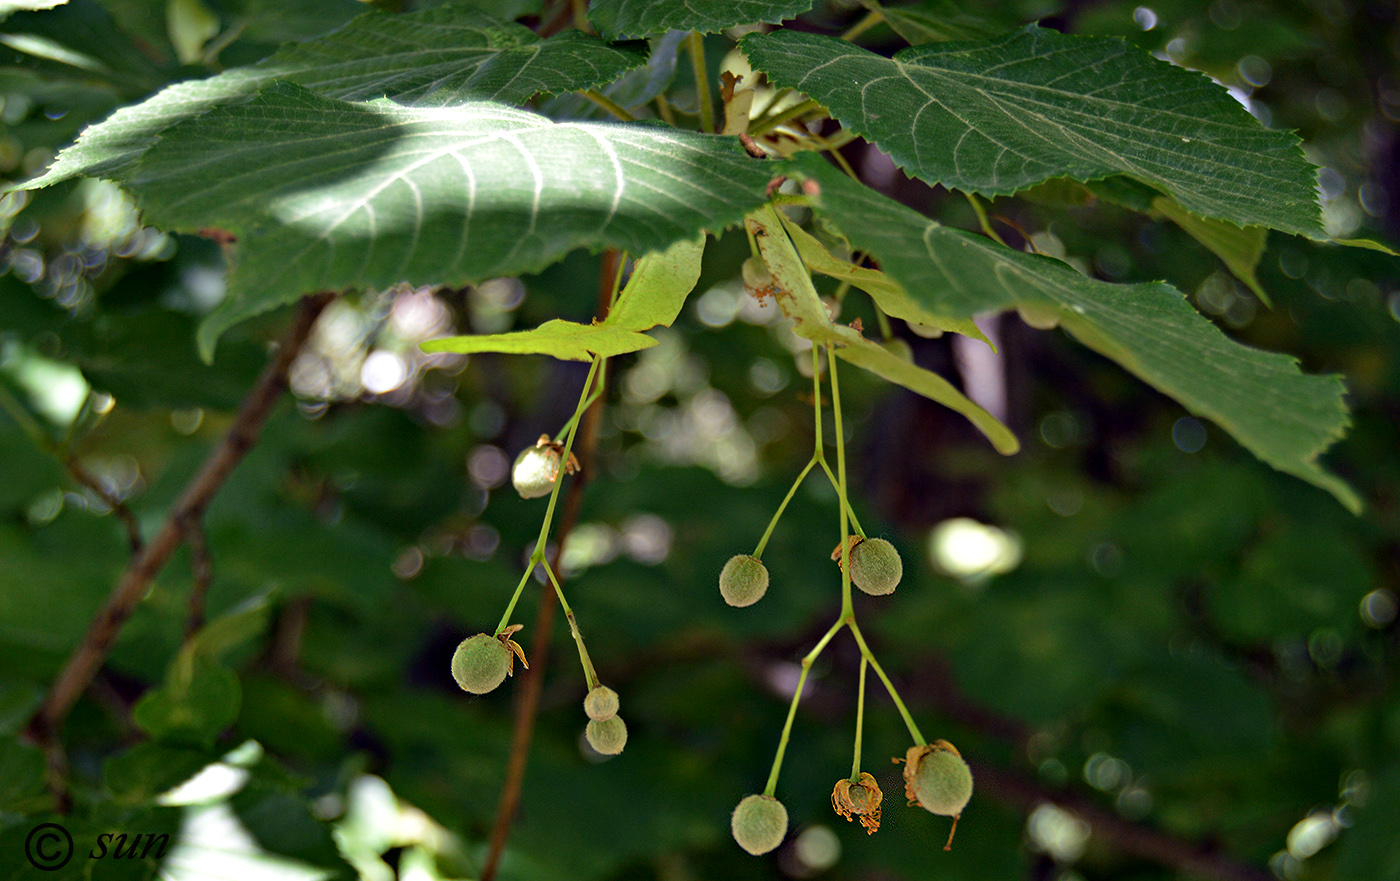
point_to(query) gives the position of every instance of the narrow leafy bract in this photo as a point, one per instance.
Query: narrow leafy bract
(995, 117)
(324, 194)
(436, 57)
(1284, 417)
(792, 288)
(567, 340)
(633, 19)
(658, 287)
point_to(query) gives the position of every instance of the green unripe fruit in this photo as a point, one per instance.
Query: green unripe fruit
(600, 704)
(607, 736)
(743, 581)
(938, 779)
(480, 663)
(535, 471)
(876, 567)
(759, 823)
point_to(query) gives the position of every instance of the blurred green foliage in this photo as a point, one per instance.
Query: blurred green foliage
(1187, 638)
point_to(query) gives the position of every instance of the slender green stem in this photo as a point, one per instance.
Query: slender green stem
(886, 332)
(663, 109)
(589, 673)
(889, 686)
(860, 721)
(850, 512)
(515, 597)
(982, 219)
(770, 122)
(702, 82)
(845, 545)
(770, 108)
(538, 555)
(871, 19)
(835, 152)
(772, 524)
(811, 656)
(817, 453)
(840, 295)
(607, 104)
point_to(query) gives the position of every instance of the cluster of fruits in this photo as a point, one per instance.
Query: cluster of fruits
(935, 775)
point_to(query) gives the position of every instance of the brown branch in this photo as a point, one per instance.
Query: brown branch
(1024, 792)
(92, 652)
(527, 703)
(119, 508)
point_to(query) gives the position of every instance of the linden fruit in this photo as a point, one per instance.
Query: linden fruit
(535, 471)
(759, 823)
(938, 780)
(480, 663)
(743, 581)
(876, 567)
(600, 704)
(607, 736)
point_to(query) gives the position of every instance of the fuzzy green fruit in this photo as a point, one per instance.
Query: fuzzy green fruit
(480, 663)
(535, 471)
(607, 736)
(743, 581)
(876, 567)
(937, 778)
(759, 823)
(601, 704)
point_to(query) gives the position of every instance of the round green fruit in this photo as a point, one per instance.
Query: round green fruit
(743, 581)
(876, 567)
(600, 704)
(759, 823)
(480, 663)
(535, 471)
(607, 736)
(938, 779)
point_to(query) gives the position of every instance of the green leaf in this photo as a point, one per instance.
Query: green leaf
(658, 287)
(190, 710)
(887, 294)
(326, 194)
(792, 288)
(151, 768)
(1238, 247)
(933, 21)
(998, 116)
(1282, 416)
(431, 58)
(567, 340)
(634, 19)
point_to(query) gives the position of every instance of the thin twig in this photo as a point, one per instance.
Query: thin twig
(119, 508)
(527, 703)
(696, 46)
(102, 634)
(202, 568)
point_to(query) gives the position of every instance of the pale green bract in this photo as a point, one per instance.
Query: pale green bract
(326, 195)
(1284, 417)
(997, 116)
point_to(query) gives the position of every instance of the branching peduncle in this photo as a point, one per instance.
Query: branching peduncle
(587, 662)
(811, 656)
(868, 655)
(860, 721)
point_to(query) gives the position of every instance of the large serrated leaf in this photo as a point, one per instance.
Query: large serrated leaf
(995, 117)
(633, 19)
(436, 57)
(1284, 417)
(325, 194)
